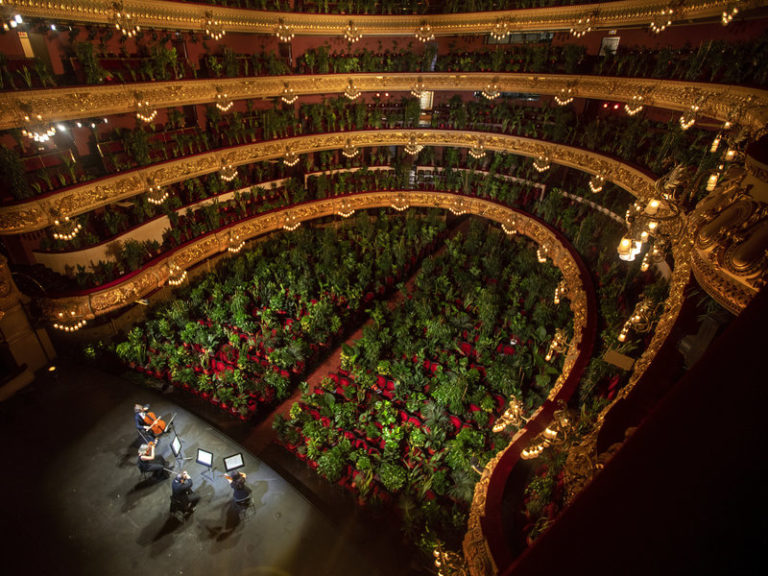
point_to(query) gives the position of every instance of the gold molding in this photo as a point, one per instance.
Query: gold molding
(37, 214)
(188, 16)
(745, 105)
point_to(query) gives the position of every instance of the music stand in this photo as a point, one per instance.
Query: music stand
(206, 459)
(233, 462)
(169, 425)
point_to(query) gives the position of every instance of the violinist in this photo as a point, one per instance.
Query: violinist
(150, 462)
(183, 499)
(240, 492)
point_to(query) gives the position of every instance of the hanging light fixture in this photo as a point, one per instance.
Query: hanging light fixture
(65, 229)
(491, 90)
(478, 150)
(13, 22)
(234, 243)
(635, 106)
(214, 28)
(352, 33)
(596, 183)
(287, 95)
(541, 254)
(662, 20)
(500, 30)
(728, 14)
(560, 291)
(400, 203)
(228, 173)
(565, 96)
(514, 415)
(345, 209)
(351, 90)
(349, 150)
(581, 27)
(124, 21)
(558, 345)
(36, 130)
(144, 110)
(290, 158)
(509, 226)
(688, 118)
(424, 33)
(641, 320)
(157, 195)
(541, 164)
(413, 147)
(457, 207)
(418, 88)
(223, 102)
(176, 276)
(291, 222)
(69, 322)
(284, 32)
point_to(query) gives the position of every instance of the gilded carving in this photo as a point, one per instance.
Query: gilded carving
(28, 217)
(738, 104)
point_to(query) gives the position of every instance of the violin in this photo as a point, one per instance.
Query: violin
(154, 423)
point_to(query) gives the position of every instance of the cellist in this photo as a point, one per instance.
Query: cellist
(143, 423)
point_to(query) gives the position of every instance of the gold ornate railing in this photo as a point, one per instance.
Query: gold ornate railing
(738, 104)
(188, 16)
(39, 213)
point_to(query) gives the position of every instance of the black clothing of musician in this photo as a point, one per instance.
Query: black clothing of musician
(182, 496)
(141, 426)
(241, 492)
(150, 462)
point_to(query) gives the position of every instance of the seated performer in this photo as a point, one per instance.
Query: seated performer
(241, 492)
(183, 499)
(139, 414)
(150, 462)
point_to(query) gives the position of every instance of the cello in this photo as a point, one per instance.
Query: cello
(154, 423)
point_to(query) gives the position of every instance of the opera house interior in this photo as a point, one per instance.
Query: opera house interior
(449, 287)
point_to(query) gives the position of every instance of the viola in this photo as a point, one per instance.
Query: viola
(155, 423)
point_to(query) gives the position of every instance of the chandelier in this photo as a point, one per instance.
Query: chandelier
(653, 256)
(349, 150)
(214, 29)
(728, 14)
(352, 34)
(290, 158)
(662, 21)
(688, 118)
(40, 133)
(419, 88)
(564, 97)
(69, 322)
(635, 106)
(514, 415)
(223, 102)
(644, 222)
(413, 147)
(123, 20)
(641, 320)
(291, 222)
(581, 27)
(509, 226)
(500, 30)
(478, 150)
(234, 243)
(424, 33)
(400, 203)
(449, 563)
(351, 90)
(541, 164)
(558, 345)
(284, 32)
(491, 91)
(176, 275)
(65, 229)
(457, 207)
(157, 195)
(288, 96)
(345, 209)
(228, 173)
(560, 291)
(12, 22)
(556, 432)
(596, 183)
(144, 111)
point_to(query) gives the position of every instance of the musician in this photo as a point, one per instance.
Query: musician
(149, 461)
(140, 416)
(240, 492)
(183, 498)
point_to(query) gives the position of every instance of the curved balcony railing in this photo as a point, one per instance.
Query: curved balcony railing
(737, 104)
(188, 16)
(37, 214)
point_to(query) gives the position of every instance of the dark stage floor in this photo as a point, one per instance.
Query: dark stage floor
(74, 502)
